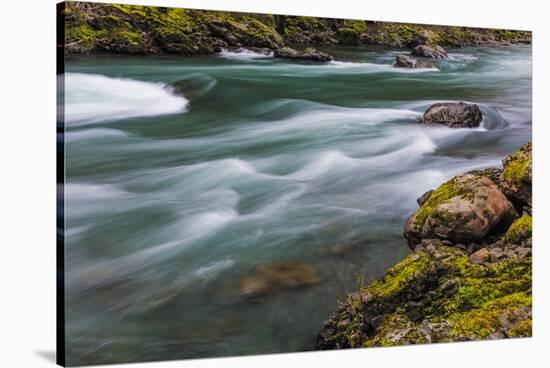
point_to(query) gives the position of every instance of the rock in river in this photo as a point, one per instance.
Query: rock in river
(403, 61)
(453, 115)
(436, 52)
(464, 209)
(309, 54)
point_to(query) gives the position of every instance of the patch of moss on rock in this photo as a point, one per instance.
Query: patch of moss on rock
(520, 230)
(435, 296)
(516, 177)
(444, 193)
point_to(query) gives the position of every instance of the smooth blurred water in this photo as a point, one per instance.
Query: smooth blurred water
(170, 201)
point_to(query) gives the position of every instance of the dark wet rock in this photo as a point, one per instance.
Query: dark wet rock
(436, 52)
(217, 29)
(403, 61)
(192, 87)
(269, 278)
(309, 54)
(453, 115)
(464, 209)
(516, 178)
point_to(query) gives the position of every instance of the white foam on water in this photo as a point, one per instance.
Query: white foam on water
(243, 54)
(374, 68)
(94, 133)
(94, 98)
(323, 163)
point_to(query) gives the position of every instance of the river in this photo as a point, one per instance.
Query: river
(170, 201)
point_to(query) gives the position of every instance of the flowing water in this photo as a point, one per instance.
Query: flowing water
(170, 201)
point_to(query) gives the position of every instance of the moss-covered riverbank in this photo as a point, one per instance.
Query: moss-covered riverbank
(451, 290)
(134, 29)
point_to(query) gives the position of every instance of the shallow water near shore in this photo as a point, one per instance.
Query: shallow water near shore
(171, 200)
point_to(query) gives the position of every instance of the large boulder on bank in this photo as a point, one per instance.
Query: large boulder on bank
(309, 54)
(403, 61)
(453, 115)
(436, 52)
(516, 177)
(464, 209)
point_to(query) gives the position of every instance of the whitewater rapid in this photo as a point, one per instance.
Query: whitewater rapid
(171, 200)
(94, 98)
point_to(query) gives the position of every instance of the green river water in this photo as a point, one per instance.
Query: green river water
(171, 201)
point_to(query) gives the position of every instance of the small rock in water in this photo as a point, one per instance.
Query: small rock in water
(453, 115)
(436, 52)
(309, 54)
(402, 61)
(284, 275)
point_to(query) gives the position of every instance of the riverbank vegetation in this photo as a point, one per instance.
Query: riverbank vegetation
(135, 29)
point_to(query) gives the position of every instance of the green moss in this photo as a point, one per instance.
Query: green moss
(84, 35)
(516, 169)
(357, 25)
(398, 277)
(520, 229)
(348, 36)
(444, 193)
(522, 329)
(259, 34)
(482, 322)
(441, 288)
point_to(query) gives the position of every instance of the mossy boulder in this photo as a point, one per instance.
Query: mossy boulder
(436, 295)
(516, 178)
(252, 32)
(520, 230)
(464, 209)
(453, 115)
(348, 36)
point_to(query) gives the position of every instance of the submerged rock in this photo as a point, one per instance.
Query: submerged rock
(402, 61)
(436, 52)
(192, 87)
(284, 275)
(464, 209)
(453, 115)
(309, 54)
(516, 178)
